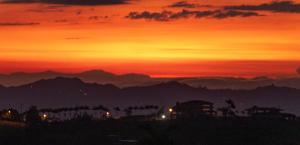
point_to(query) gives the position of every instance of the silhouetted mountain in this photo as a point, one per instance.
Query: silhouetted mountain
(103, 77)
(240, 83)
(229, 82)
(132, 79)
(21, 78)
(72, 91)
(93, 76)
(58, 92)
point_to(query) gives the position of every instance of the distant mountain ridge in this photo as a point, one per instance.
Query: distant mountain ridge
(72, 91)
(133, 79)
(97, 76)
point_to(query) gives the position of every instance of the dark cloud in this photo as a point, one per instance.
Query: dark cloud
(70, 2)
(18, 23)
(276, 6)
(183, 4)
(232, 13)
(169, 15)
(158, 16)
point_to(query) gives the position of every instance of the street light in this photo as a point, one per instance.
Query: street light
(44, 117)
(170, 110)
(107, 114)
(163, 116)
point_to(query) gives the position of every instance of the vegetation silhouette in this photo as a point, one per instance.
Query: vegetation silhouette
(94, 125)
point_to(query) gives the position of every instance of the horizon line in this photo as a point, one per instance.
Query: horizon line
(150, 76)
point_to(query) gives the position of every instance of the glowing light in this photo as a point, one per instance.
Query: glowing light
(108, 114)
(163, 116)
(44, 117)
(170, 110)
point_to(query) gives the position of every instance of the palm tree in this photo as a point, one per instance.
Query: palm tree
(101, 108)
(229, 110)
(32, 116)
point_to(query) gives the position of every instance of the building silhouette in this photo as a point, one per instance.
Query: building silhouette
(192, 109)
(269, 113)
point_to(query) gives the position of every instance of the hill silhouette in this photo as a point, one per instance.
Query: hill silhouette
(134, 79)
(94, 76)
(72, 91)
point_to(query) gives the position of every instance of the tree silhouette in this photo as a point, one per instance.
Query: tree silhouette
(32, 116)
(229, 110)
(11, 114)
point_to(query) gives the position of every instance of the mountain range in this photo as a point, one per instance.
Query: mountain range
(97, 76)
(134, 79)
(65, 91)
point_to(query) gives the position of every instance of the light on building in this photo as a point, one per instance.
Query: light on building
(163, 116)
(8, 114)
(45, 115)
(170, 110)
(107, 114)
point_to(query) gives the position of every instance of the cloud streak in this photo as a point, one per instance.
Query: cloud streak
(183, 4)
(70, 2)
(169, 15)
(277, 6)
(18, 23)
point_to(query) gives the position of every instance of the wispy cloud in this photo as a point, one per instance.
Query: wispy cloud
(18, 23)
(95, 18)
(169, 15)
(183, 4)
(70, 2)
(49, 8)
(276, 6)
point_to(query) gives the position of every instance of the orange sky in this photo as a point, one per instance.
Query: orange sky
(68, 39)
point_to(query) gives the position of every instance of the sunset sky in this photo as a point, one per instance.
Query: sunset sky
(162, 38)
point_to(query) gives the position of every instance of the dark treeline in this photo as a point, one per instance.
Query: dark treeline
(186, 123)
(70, 113)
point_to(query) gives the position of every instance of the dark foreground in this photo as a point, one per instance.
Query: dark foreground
(216, 131)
